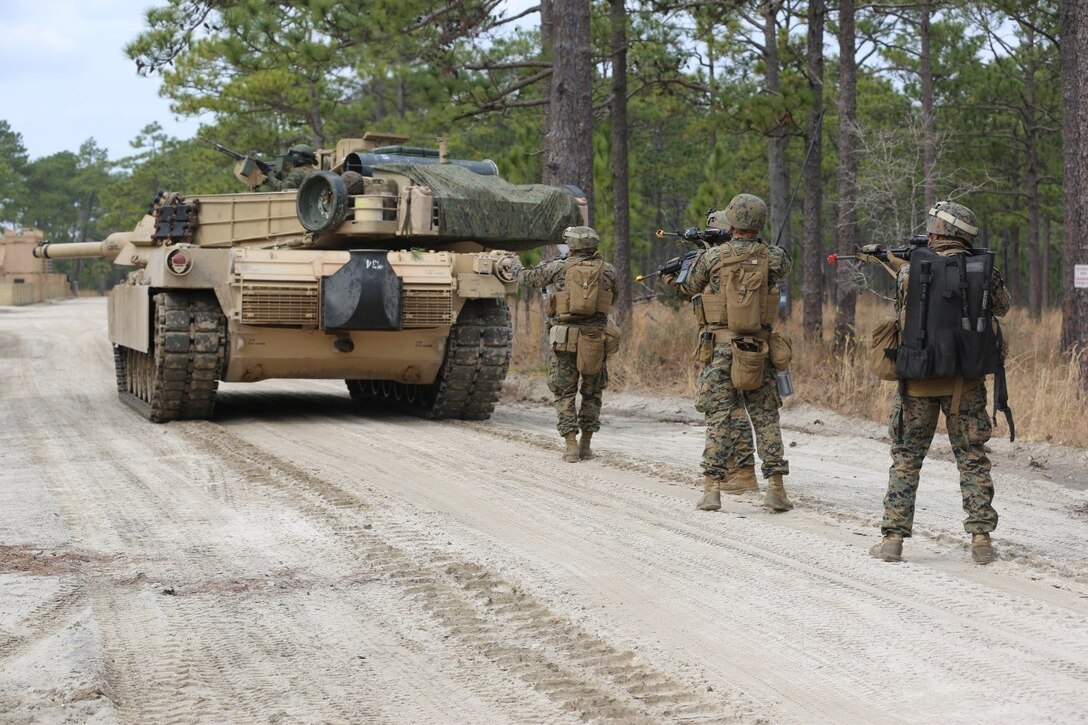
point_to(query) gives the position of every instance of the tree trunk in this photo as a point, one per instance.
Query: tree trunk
(778, 137)
(1074, 72)
(812, 290)
(1080, 253)
(621, 200)
(568, 148)
(1031, 182)
(550, 251)
(547, 33)
(929, 121)
(1014, 267)
(846, 292)
(1047, 248)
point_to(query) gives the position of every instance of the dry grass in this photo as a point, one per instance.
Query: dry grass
(656, 358)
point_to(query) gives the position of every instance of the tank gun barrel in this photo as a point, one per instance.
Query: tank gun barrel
(108, 249)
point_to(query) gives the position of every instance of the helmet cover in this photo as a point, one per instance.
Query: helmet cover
(949, 219)
(578, 238)
(746, 213)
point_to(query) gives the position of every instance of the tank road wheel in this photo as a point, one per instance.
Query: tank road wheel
(468, 386)
(322, 201)
(389, 392)
(360, 390)
(477, 357)
(179, 376)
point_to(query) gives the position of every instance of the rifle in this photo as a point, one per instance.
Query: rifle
(708, 236)
(918, 240)
(264, 166)
(680, 266)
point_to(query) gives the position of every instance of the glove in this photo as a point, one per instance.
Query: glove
(508, 267)
(669, 279)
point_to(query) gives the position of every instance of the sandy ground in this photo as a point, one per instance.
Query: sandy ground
(300, 560)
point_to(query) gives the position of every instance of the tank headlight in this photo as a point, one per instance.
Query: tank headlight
(179, 262)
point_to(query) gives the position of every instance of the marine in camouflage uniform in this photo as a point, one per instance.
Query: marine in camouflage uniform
(728, 410)
(300, 160)
(564, 380)
(951, 228)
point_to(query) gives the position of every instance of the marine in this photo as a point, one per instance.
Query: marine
(579, 334)
(951, 228)
(299, 161)
(733, 292)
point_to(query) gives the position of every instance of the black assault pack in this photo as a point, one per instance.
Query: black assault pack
(950, 330)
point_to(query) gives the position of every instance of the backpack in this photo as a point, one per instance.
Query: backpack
(583, 294)
(743, 304)
(949, 330)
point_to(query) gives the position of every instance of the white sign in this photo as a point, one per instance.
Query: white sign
(1080, 276)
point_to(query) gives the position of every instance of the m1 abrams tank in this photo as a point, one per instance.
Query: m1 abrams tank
(389, 268)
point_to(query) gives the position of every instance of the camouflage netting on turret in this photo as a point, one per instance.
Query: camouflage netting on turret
(487, 209)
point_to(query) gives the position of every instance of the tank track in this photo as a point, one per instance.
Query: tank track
(468, 386)
(178, 378)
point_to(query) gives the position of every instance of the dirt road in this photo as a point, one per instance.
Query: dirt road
(297, 560)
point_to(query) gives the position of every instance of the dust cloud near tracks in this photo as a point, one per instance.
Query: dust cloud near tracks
(301, 559)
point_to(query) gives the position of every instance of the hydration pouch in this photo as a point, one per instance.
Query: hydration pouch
(583, 289)
(883, 346)
(745, 287)
(746, 372)
(590, 352)
(780, 350)
(704, 351)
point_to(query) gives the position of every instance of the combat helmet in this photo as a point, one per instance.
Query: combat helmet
(716, 219)
(949, 219)
(579, 238)
(301, 154)
(745, 212)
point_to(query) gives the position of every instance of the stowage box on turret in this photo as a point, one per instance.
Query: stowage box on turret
(388, 268)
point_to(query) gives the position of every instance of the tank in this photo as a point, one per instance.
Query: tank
(392, 275)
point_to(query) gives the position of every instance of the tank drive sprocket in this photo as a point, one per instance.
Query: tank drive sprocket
(178, 377)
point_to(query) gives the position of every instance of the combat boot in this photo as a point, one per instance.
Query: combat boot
(776, 499)
(571, 454)
(712, 498)
(741, 479)
(982, 549)
(890, 548)
(584, 451)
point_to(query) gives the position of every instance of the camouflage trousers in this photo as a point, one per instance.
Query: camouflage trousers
(968, 431)
(563, 381)
(731, 415)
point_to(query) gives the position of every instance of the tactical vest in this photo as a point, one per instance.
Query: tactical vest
(583, 294)
(948, 328)
(745, 303)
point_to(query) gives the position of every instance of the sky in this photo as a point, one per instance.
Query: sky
(64, 76)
